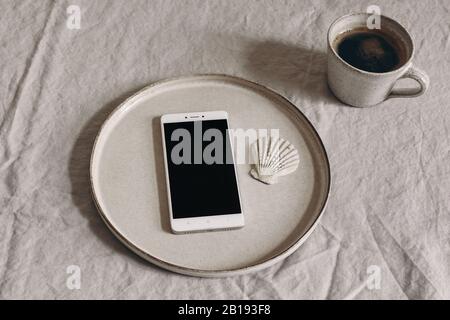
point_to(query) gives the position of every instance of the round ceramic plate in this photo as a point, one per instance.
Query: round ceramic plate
(128, 180)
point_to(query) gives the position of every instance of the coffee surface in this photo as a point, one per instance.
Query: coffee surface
(368, 50)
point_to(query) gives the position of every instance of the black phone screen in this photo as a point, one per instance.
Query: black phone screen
(201, 169)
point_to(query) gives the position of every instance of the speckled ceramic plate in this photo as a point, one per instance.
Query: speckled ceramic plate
(127, 176)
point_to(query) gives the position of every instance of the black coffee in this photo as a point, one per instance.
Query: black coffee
(369, 50)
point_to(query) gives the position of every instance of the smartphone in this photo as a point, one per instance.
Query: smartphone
(202, 184)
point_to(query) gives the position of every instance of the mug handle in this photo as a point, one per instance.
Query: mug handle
(415, 74)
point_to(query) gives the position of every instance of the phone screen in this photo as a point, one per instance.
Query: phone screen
(201, 169)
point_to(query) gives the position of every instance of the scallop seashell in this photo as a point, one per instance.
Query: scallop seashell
(273, 157)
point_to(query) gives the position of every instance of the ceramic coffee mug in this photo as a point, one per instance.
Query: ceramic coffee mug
(361, 88)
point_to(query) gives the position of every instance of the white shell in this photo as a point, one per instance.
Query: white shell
(273, 157)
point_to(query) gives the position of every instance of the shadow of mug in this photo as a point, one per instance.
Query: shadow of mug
(297, 70)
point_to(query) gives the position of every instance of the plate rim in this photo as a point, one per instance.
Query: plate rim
(220, 272)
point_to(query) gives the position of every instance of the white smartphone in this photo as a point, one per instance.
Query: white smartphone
(202, 184)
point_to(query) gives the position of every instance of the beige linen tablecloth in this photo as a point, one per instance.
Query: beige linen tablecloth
(386, 231)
